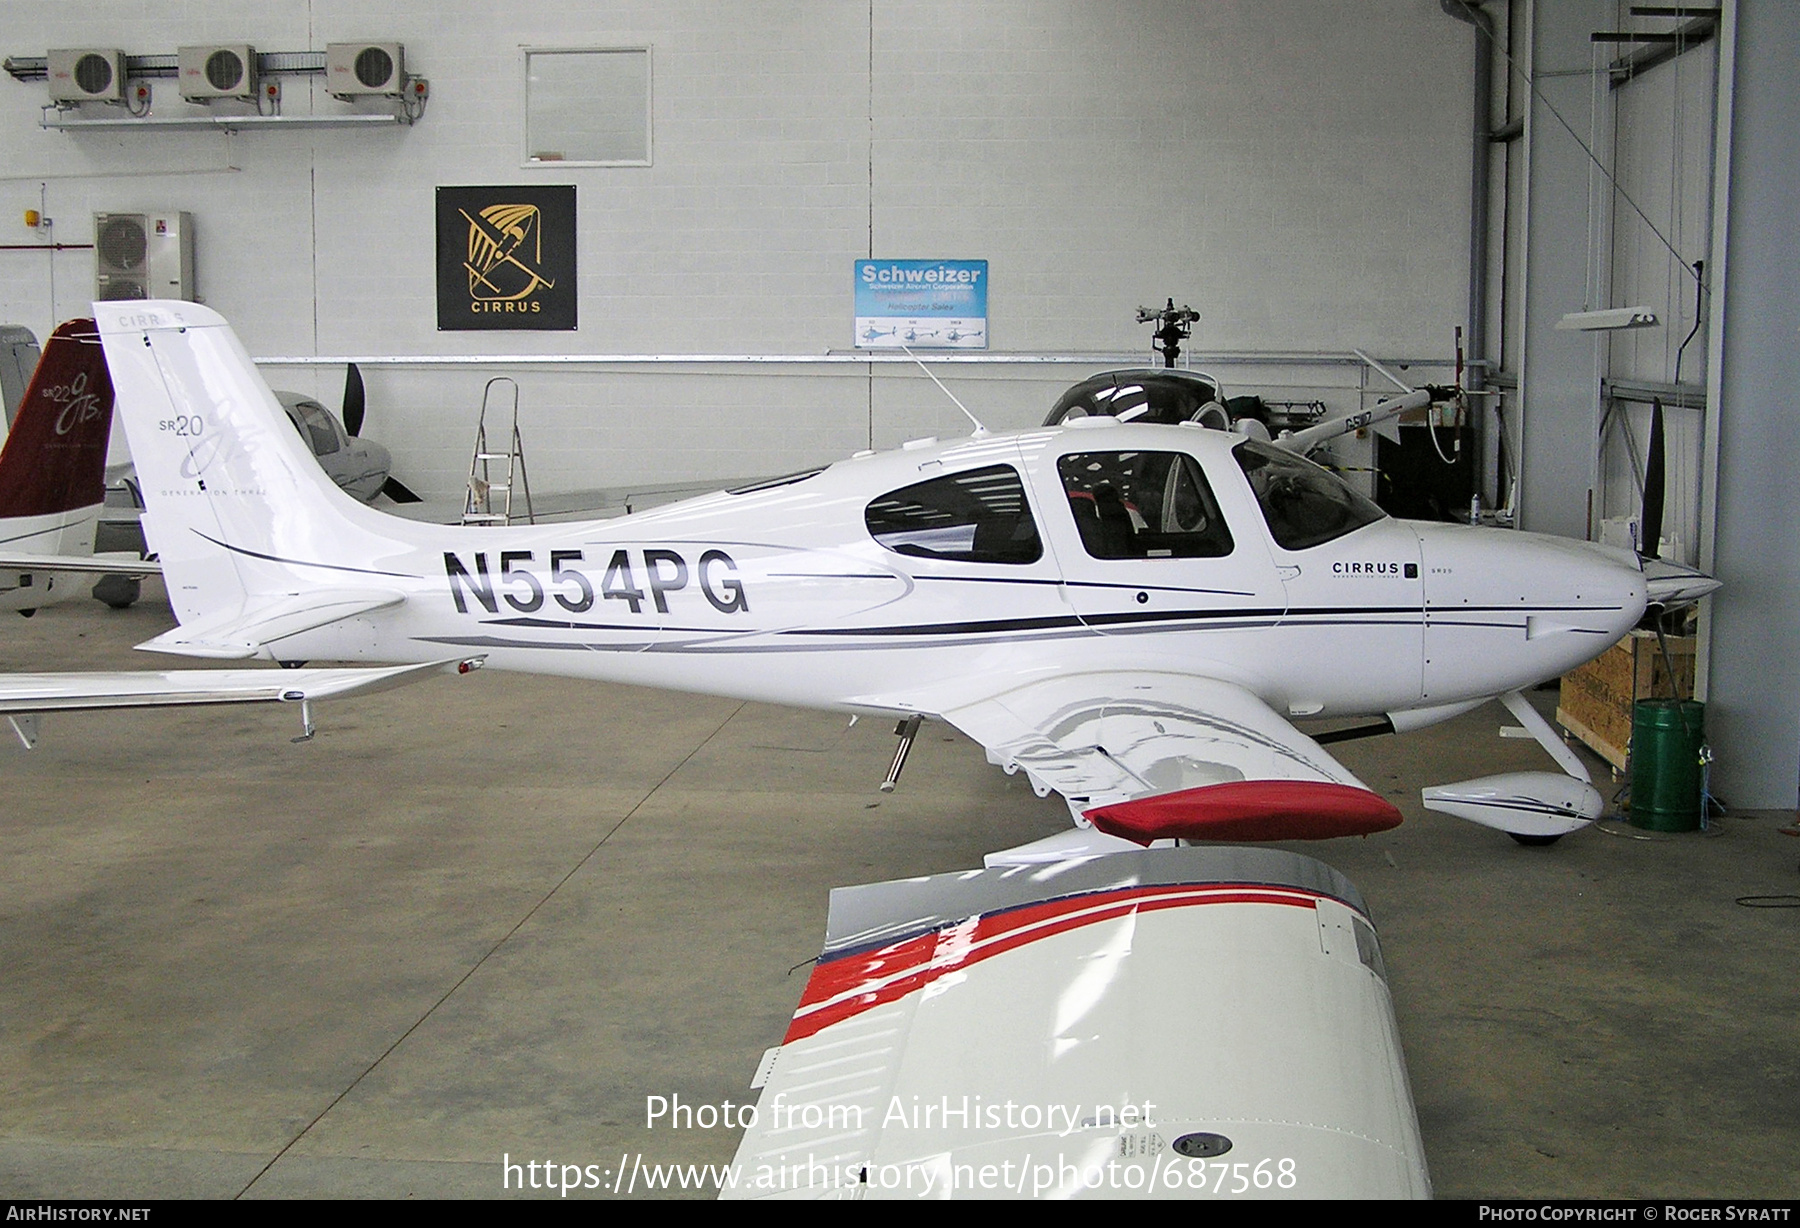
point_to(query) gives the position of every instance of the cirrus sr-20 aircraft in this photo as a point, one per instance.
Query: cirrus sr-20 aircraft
(1130, 614)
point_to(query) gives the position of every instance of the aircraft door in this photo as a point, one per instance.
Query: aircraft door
(1150, 555)
(1357, 604)
(1355, 595)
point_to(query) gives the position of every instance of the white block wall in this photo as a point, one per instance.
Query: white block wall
(1296, 169)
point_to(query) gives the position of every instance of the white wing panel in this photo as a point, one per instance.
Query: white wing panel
(1101, 738)
(1174, 1024)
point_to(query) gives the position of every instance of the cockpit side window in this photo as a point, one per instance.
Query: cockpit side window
(1304, 504)
(1143, 505)
(980, 516)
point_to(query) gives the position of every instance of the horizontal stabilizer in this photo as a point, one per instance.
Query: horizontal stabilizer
(24, 693)
(1250, 810)
(84, 564)
(241, 635)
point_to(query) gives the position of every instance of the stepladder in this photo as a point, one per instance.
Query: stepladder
(497, 470)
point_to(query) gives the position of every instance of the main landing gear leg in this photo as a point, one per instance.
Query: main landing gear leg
(906, 731)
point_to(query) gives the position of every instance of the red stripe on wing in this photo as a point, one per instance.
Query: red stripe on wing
(851, 984)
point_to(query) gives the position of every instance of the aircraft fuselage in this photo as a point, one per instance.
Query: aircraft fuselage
(835, 589)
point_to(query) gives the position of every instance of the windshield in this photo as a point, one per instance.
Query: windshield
(315, 424)
(1304, 504)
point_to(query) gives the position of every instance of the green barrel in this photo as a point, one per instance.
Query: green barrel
(1666, 736)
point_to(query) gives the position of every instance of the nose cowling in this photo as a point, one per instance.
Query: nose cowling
(1506, 609)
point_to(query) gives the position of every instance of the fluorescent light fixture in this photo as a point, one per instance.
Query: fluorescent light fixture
(1602, 321)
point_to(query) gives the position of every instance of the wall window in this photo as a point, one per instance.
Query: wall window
(587, 107)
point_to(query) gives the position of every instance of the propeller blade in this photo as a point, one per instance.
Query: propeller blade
(395, 490)
(1650, 524)
(353, 400)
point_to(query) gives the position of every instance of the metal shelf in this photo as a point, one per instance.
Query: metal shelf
(841, 357)
(231, 123)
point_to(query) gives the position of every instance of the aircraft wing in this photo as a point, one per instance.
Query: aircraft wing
(1147, 756)
(25, 696)
(84, 564)
(1177, 1023)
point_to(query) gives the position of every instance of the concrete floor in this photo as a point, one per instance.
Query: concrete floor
(490, 916)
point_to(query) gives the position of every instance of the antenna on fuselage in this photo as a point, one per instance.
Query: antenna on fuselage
(981, 432)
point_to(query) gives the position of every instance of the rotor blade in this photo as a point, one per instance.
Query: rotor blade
(1650, 524)
(395, 490)
(1301, 442)
(353, 399)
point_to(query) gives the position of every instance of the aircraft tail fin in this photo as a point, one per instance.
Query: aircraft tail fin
(54, 461)
(237, 507)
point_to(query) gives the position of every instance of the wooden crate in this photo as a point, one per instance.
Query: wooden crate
(1597, 698)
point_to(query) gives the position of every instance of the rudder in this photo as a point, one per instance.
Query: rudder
(54, 460)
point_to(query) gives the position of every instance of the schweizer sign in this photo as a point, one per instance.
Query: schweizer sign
(921, 304)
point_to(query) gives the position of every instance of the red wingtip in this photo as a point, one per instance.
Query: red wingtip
(1249, 810)
(55, 455)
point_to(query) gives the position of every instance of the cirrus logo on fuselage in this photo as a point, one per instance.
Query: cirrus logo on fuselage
(1390, 570)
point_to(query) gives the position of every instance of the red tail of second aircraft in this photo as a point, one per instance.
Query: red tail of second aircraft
(55, 455)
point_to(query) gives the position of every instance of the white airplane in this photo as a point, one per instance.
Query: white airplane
(1131, 614)
(53, 477)
(1259, 967)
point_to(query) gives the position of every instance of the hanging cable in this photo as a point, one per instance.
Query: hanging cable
(1531, 85)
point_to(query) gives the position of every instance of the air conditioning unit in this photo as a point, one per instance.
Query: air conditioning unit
(364, 70)
(143, 255)
(87, 74)
(217, 70)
